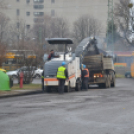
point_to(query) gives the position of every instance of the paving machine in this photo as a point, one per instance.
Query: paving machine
(73, 67)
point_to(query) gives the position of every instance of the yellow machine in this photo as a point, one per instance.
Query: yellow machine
(132, 66)
(132, 70)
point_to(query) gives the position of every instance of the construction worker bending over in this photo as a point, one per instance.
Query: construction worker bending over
(85, 78)
(62, 76)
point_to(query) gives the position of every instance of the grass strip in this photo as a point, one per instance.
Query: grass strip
(26, 86)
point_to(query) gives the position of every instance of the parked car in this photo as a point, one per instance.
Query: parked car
(13, 74)
(35, 72)
(128, 74)
(38, 73)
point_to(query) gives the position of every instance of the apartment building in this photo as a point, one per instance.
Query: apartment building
(32, 11)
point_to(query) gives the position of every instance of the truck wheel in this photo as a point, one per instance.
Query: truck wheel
(109, 83)
(113, 84)
(78, 87)
(100, 85)
(67, 88)
(48, 89)
(106, 84)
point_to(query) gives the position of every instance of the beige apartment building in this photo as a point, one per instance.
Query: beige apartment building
(32, 11)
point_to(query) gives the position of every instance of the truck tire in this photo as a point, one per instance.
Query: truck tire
(78, 87)
(47, 89)
(109, 83)
(113, 83)
(100, 85)
(67, 88)
(106, 85)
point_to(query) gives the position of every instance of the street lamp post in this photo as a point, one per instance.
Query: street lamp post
(110, 26)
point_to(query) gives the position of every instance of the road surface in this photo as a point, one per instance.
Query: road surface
(96, 111)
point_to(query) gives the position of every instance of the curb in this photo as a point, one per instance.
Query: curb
(22, 94)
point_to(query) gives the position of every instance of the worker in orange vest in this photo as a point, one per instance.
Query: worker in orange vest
(85, 78)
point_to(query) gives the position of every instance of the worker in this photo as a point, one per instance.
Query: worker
(81, 68)
(62, 76)
(52, 55)
(42, 80)
(85, 78)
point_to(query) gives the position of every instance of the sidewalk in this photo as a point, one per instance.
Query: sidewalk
(20, 92)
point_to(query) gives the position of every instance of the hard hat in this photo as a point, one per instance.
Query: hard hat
(84, 66)
(63, 63)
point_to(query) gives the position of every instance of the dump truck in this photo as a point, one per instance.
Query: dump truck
(72, 65)
(98, 62)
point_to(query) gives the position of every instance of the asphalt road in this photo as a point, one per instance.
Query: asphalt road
(96, 111)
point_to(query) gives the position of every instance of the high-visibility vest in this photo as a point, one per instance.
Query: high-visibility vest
(87, 72)
(61, 73)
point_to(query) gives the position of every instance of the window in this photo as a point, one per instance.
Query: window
(38, 13)
(35, 6)
(38, 20)
(28, 13)
(27, 1)
(28, 27)
(41, 6)
(52, 1)
(38, 6)
(38, 1)
(52, 13)
(17, 12)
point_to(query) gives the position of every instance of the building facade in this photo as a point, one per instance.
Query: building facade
(33, 11)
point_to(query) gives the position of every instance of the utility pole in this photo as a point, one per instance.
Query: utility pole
(110, 26)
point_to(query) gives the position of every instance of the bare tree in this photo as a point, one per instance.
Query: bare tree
(3, 27)
(42, 30)
(124, 16)
(26, 58)
(24, 49)
(2, 4)
(86, 26)
(2, 53)
(3, 35)
(18, 31)
(60, 28)
(50, 28)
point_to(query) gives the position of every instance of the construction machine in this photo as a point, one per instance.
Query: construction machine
(98, 62)
(73, 67)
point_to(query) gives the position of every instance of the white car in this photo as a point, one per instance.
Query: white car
(14, 74)
(38, 73)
